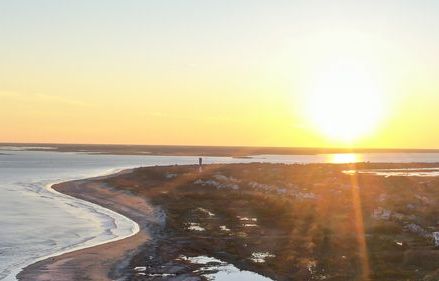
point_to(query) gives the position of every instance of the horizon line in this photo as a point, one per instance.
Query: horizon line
(221, 146)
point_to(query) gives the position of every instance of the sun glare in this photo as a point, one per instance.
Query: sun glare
(344, 103)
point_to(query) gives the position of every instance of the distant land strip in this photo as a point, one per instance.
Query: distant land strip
(184, 150)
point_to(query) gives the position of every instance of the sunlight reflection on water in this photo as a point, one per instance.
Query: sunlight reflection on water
(344, 158)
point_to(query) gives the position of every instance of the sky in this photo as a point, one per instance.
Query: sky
(199, 72)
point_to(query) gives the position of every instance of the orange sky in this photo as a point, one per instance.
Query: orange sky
(229, 73)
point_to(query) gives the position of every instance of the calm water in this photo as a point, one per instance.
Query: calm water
(355, 157)
(36, 222)
(409, 172)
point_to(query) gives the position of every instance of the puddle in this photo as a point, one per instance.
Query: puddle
(260, 257)
(247, 219)
(161, 275)
(224, 228)
(215, 269)
(195, 227)
(250, 225)
(207, 212)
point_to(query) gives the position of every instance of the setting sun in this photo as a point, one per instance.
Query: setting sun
(344, 102)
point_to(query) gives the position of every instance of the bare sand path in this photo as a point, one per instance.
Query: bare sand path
(103, 262)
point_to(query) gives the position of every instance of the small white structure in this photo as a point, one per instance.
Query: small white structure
(418, 230)
(170, 176)
(381, 213)
(216, 184)
(436, 238)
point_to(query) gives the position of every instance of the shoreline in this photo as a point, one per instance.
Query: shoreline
(74, 264)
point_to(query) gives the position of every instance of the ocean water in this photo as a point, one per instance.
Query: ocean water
(37, 222)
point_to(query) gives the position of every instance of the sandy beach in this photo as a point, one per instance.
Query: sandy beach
(99, 262)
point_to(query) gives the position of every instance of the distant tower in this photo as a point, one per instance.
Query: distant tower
(200, 164)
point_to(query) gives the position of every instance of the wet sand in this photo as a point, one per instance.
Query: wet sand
(106, 261)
